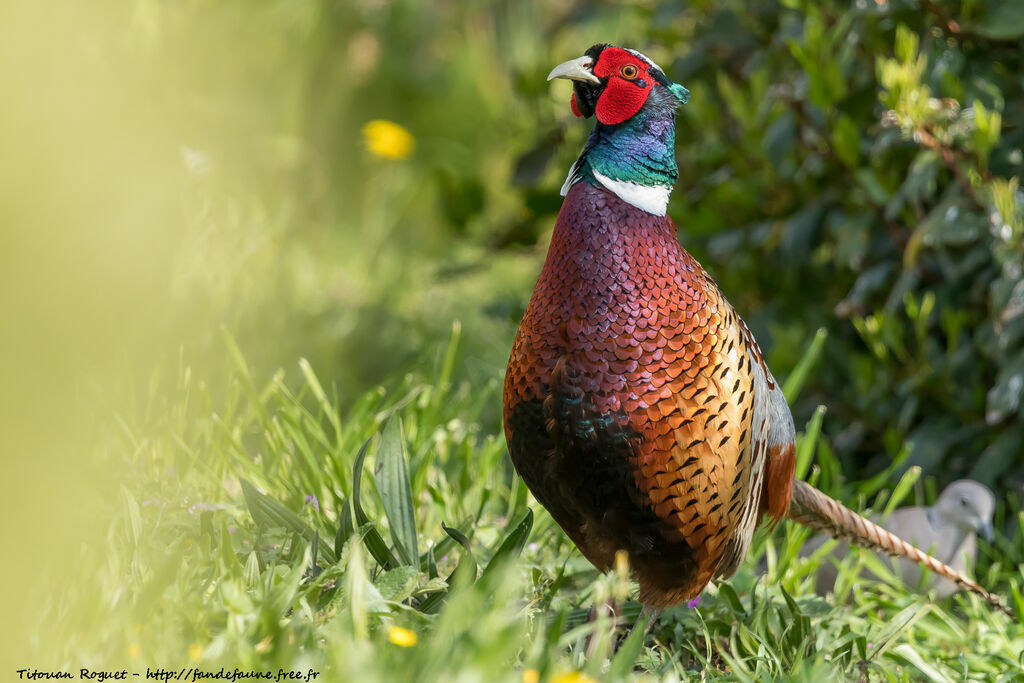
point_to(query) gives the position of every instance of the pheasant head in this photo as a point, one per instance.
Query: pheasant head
(631, 150)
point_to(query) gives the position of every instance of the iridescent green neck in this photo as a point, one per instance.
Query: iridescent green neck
(634, 159)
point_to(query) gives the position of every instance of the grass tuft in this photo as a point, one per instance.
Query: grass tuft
(393, 542)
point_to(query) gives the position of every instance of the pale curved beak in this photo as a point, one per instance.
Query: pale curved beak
(576, 70)
(985, 530)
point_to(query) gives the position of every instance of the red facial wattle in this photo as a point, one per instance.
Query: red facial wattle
(575, 107)
(628, 85)
(620, 100)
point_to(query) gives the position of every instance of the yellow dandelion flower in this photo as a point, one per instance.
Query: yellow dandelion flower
(133, 651)
(402, 637)
(388, 140)
(195, 652)
(572, 677)
(531, 676)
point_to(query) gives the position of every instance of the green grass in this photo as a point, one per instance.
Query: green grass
(262, 529)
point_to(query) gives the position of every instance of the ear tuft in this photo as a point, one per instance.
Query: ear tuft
(681, 93)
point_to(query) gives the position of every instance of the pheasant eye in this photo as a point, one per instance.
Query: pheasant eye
(628, 71)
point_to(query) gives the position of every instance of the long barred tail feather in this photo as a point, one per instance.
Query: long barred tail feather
(814, 509)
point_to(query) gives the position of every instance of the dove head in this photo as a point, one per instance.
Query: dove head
(969, 505)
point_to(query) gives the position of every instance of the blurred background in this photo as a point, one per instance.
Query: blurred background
(342, 180)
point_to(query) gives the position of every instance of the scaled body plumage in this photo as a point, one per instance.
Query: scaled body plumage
(636, 401)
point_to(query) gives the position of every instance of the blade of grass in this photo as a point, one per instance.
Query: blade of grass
(392, 477)
(795, 381)
(512, 546)
(372, 539)
(622, 663)
(805, 447)
(899, 623)
(904, 486)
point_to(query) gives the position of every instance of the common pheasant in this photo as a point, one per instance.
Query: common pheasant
(638, 408)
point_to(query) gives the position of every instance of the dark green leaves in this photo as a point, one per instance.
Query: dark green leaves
(846, 141)
(1002, 21)
(1005, 398)
(952, 222)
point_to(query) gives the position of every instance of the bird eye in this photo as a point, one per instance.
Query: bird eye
(963, 502)
(628, 71)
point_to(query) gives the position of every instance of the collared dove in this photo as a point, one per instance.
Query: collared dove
(947, 530)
